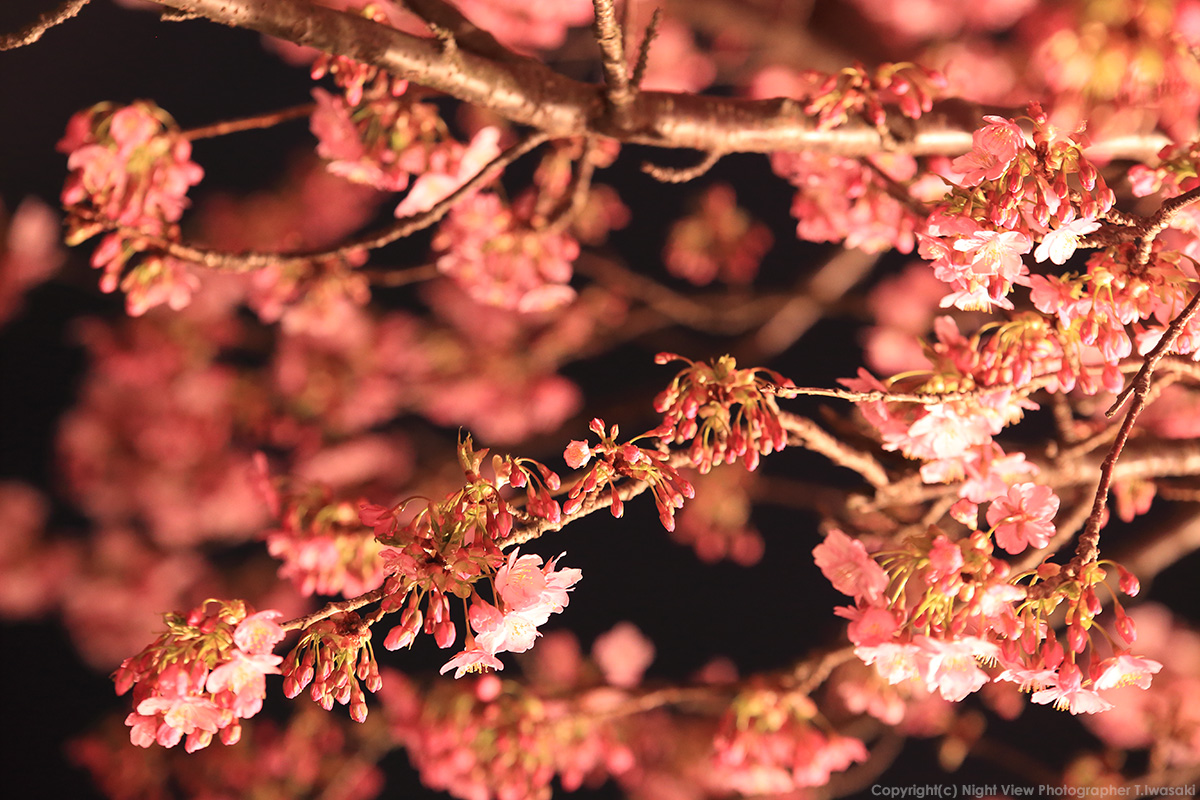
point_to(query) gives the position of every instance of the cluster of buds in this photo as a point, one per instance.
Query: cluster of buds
(446, 548)
(725, 412)
(336, 659)
(769, 744)
(319, 539)
(1014, 191)
(854, 91)
(938, 607)
(627, 460)
(130, 167)
(356, 78)
(201, 676)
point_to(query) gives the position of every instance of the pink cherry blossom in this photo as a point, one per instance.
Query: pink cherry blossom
(1022, 518)
(471, 660)
(259, 633)
(244, 677)
(995, 147)
(848, 566)
(895, 662)
(502, 632)
(1065, 691)
(950, 665)
(1059, 244)
(1126, 670)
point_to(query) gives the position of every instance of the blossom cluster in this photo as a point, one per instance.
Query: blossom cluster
(770, 743)
(201, 676)
(725, 412)
(130, 169)
(490, 249)
(334, 660)
(448, 547)
(319, 540)
(954, 436)
(615, 460)
(933, 609)
(720, 241)
(1011, 192)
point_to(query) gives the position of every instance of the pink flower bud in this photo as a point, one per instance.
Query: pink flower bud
(1126, 628)
(1077, 638)
(1128, 583)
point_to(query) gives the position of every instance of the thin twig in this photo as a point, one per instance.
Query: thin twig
(578, 194)
(406, 226)
(337, 607)
(1092, 442)
(268, 120)
(45, 21)
(1125, 228)
(926, 398)
(1088, 548)
(391, 279)
(631, 488)
(639, 70)
(682, 174)
(812, 437)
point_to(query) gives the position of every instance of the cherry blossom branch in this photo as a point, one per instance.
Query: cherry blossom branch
(395, 278)
(256, 122)
(337, 607)
(534, 528)
(1160, 460)
(248, 262)
(809, 435)
(1124, 228)
(926, 398)
(33, 31)
(1088, 549)
(530, 93)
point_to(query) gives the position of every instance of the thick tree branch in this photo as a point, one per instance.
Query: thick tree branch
(44, 22)
(612, 50)
(530, 93)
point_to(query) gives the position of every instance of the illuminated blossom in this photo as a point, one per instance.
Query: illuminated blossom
(1022, 518)
(848, 566)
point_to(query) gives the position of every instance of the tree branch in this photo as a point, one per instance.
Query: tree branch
(44, 22)
(1088, 548)
(530, 93)
(406, 226)
(810, 436)
(612, 51)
